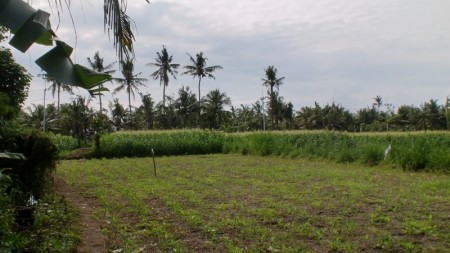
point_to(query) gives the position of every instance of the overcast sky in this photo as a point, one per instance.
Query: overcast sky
(345, 51)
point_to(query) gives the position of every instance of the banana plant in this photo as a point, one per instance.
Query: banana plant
(33, 26)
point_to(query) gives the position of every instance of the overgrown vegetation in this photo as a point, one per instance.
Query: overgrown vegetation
(235, 203)
(31, 219)
(411, 151)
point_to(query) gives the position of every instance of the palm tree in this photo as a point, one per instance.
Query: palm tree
(378, 102)
(130, 81)
(214, 107)
(56, 87)
(165, 67)
(97, 64)
(186, 106)
(271, 81)
(198, 69)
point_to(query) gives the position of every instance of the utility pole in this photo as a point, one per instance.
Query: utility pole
(263, 113)
(44, 123)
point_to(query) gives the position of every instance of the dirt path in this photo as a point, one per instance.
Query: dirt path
(92, 240)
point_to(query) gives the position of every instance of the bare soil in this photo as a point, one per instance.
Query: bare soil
(92, 239)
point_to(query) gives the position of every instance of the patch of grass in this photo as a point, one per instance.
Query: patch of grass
(235, 203)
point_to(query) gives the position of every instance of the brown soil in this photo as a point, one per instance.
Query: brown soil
(92, 239)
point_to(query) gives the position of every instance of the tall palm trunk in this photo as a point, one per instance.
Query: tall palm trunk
(199, 100)
(164, 96)
(129, 101)
(272, 104)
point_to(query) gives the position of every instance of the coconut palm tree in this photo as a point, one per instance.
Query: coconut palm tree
(130, 81)
(97, 64)
(165, 67)
(56, 87)
(271, 81)
(199, 70)
(214, 107)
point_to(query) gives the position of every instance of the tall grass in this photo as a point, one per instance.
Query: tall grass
(163, 143)
(417, 151)
(63, 142)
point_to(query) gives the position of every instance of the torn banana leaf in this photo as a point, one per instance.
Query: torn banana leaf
(26, 23)
(57, 64)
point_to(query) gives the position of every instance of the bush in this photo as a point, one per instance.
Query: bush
(34, 173)
(10, 239)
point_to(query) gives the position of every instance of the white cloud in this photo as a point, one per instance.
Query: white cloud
(346, 51)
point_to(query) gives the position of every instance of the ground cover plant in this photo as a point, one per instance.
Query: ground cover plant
(235, 203)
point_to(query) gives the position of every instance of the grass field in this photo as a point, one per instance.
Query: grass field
(235, 203)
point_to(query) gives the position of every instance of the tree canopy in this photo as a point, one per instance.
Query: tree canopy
(14, 80)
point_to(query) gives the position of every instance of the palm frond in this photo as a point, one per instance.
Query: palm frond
(120, 23)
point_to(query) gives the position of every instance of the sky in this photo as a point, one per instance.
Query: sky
(346, 51)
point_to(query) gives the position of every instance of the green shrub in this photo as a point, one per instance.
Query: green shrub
(64, 142)
(34, 173)
(10, 240)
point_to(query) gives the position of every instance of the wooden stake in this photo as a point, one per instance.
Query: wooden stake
(154, 164)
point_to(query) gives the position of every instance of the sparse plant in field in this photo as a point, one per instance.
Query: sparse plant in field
(408, 246)
(378, 217)
(420, 227)
(387, 242)
(340, 245)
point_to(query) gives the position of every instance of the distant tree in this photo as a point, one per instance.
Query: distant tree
(432, 116)
(118, 114)
(76, 119)
(14, 83)
(56, 87)
(365, 117)
(130, 81)
(147, 110)
(199, 70)
(214, 104)
(186, 107)
(165, 68)
(96, 63)
(378, 102)
(271, 80)
(406, 118)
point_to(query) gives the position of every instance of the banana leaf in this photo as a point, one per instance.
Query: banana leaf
(28, 25)
(57, 64)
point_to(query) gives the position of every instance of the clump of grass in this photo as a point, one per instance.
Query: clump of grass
(64, 142)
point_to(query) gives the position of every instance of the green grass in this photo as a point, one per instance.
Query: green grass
(235, 203)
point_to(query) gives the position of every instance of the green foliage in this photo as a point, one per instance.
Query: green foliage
(10, 239)
(64, 142)
(14, 81)
(54, 228)
(33, 173)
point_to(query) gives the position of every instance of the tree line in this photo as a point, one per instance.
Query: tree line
(215, 110)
